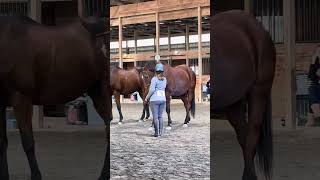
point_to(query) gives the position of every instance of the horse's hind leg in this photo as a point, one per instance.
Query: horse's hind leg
(23, 112)
(187, 105)
(256, 103)
(117, 97)
(4, 174)
(237, 118)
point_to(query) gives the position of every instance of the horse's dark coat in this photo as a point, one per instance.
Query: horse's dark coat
(126, 82)
(43, 65)
(243, 69)
(181, 82)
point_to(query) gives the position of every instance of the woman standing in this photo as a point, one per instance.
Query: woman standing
(314, 89)
(157, 98)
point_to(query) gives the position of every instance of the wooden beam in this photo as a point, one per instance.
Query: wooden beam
(35, 10)
(80, 8)
(192, 54)
(289, 42)
(164, 16)
(135, 37)
(152, 7)
(247, 6)
(169, 39)
(157, 34)
(187, 43)
(120, 43)
(200, 50)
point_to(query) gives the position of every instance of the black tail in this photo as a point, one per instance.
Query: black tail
(193, 106)
(265, 145)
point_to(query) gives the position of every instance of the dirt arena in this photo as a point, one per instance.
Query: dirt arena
(77, 152)
(182, 153)
(296, 153)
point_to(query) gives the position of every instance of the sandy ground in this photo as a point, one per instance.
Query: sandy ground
(64, 154)
(77, 152)
(182, 153)
(296, 154)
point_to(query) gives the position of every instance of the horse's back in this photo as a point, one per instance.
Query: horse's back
(125, 81)
(38, 59)
(180, 79)
(240, 42)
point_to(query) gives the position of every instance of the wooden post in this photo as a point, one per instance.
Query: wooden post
(37, 117)
(247, 6)
(35, 14)
(120, 43)
(80, 8)
(169, 39)
(289, 43)
(157, 34)
(35, 10)
(200, 51)
(135, 33)
(187, 43)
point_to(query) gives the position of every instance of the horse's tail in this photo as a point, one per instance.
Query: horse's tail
(193, 105)
(265, 145)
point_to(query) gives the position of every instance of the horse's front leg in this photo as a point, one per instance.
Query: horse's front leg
(23, 111)
(102, 104)
(4, 173)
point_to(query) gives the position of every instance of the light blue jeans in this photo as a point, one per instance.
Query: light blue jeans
(157, 108)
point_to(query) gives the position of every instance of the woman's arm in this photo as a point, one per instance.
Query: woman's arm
(152, 89)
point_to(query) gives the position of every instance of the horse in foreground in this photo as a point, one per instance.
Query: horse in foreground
(243, 67)
(126, 82)
(43, 65)
(181, 83)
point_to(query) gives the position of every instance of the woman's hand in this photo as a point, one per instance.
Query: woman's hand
(145, 102)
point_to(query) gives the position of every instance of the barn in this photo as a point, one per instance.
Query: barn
(294, 26)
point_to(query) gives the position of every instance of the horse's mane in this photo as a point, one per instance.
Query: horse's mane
(150, 65)
(94, 25)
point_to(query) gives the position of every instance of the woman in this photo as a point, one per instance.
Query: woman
(314, 89)
(157, 98)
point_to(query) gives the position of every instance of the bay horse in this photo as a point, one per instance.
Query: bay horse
(126, 82)
(181, 83)
(42, 65)
(243, 69)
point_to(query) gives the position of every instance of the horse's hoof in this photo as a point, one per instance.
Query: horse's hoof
(185, 125)
(169, 128)
(139, 121)
(119, 123)
(151, 129)
(36, 177)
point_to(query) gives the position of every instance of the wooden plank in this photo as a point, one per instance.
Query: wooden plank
(152, 7)
(164, 16)
(150, 56)
(289, 42)
(200, 48)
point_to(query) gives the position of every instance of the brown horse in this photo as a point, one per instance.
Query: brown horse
(181, 83)
(243, 70)
(43, 65)
(126, 82)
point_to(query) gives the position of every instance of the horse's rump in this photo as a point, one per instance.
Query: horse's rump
(237, 54)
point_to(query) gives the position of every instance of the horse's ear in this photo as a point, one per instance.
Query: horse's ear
(139, 69)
